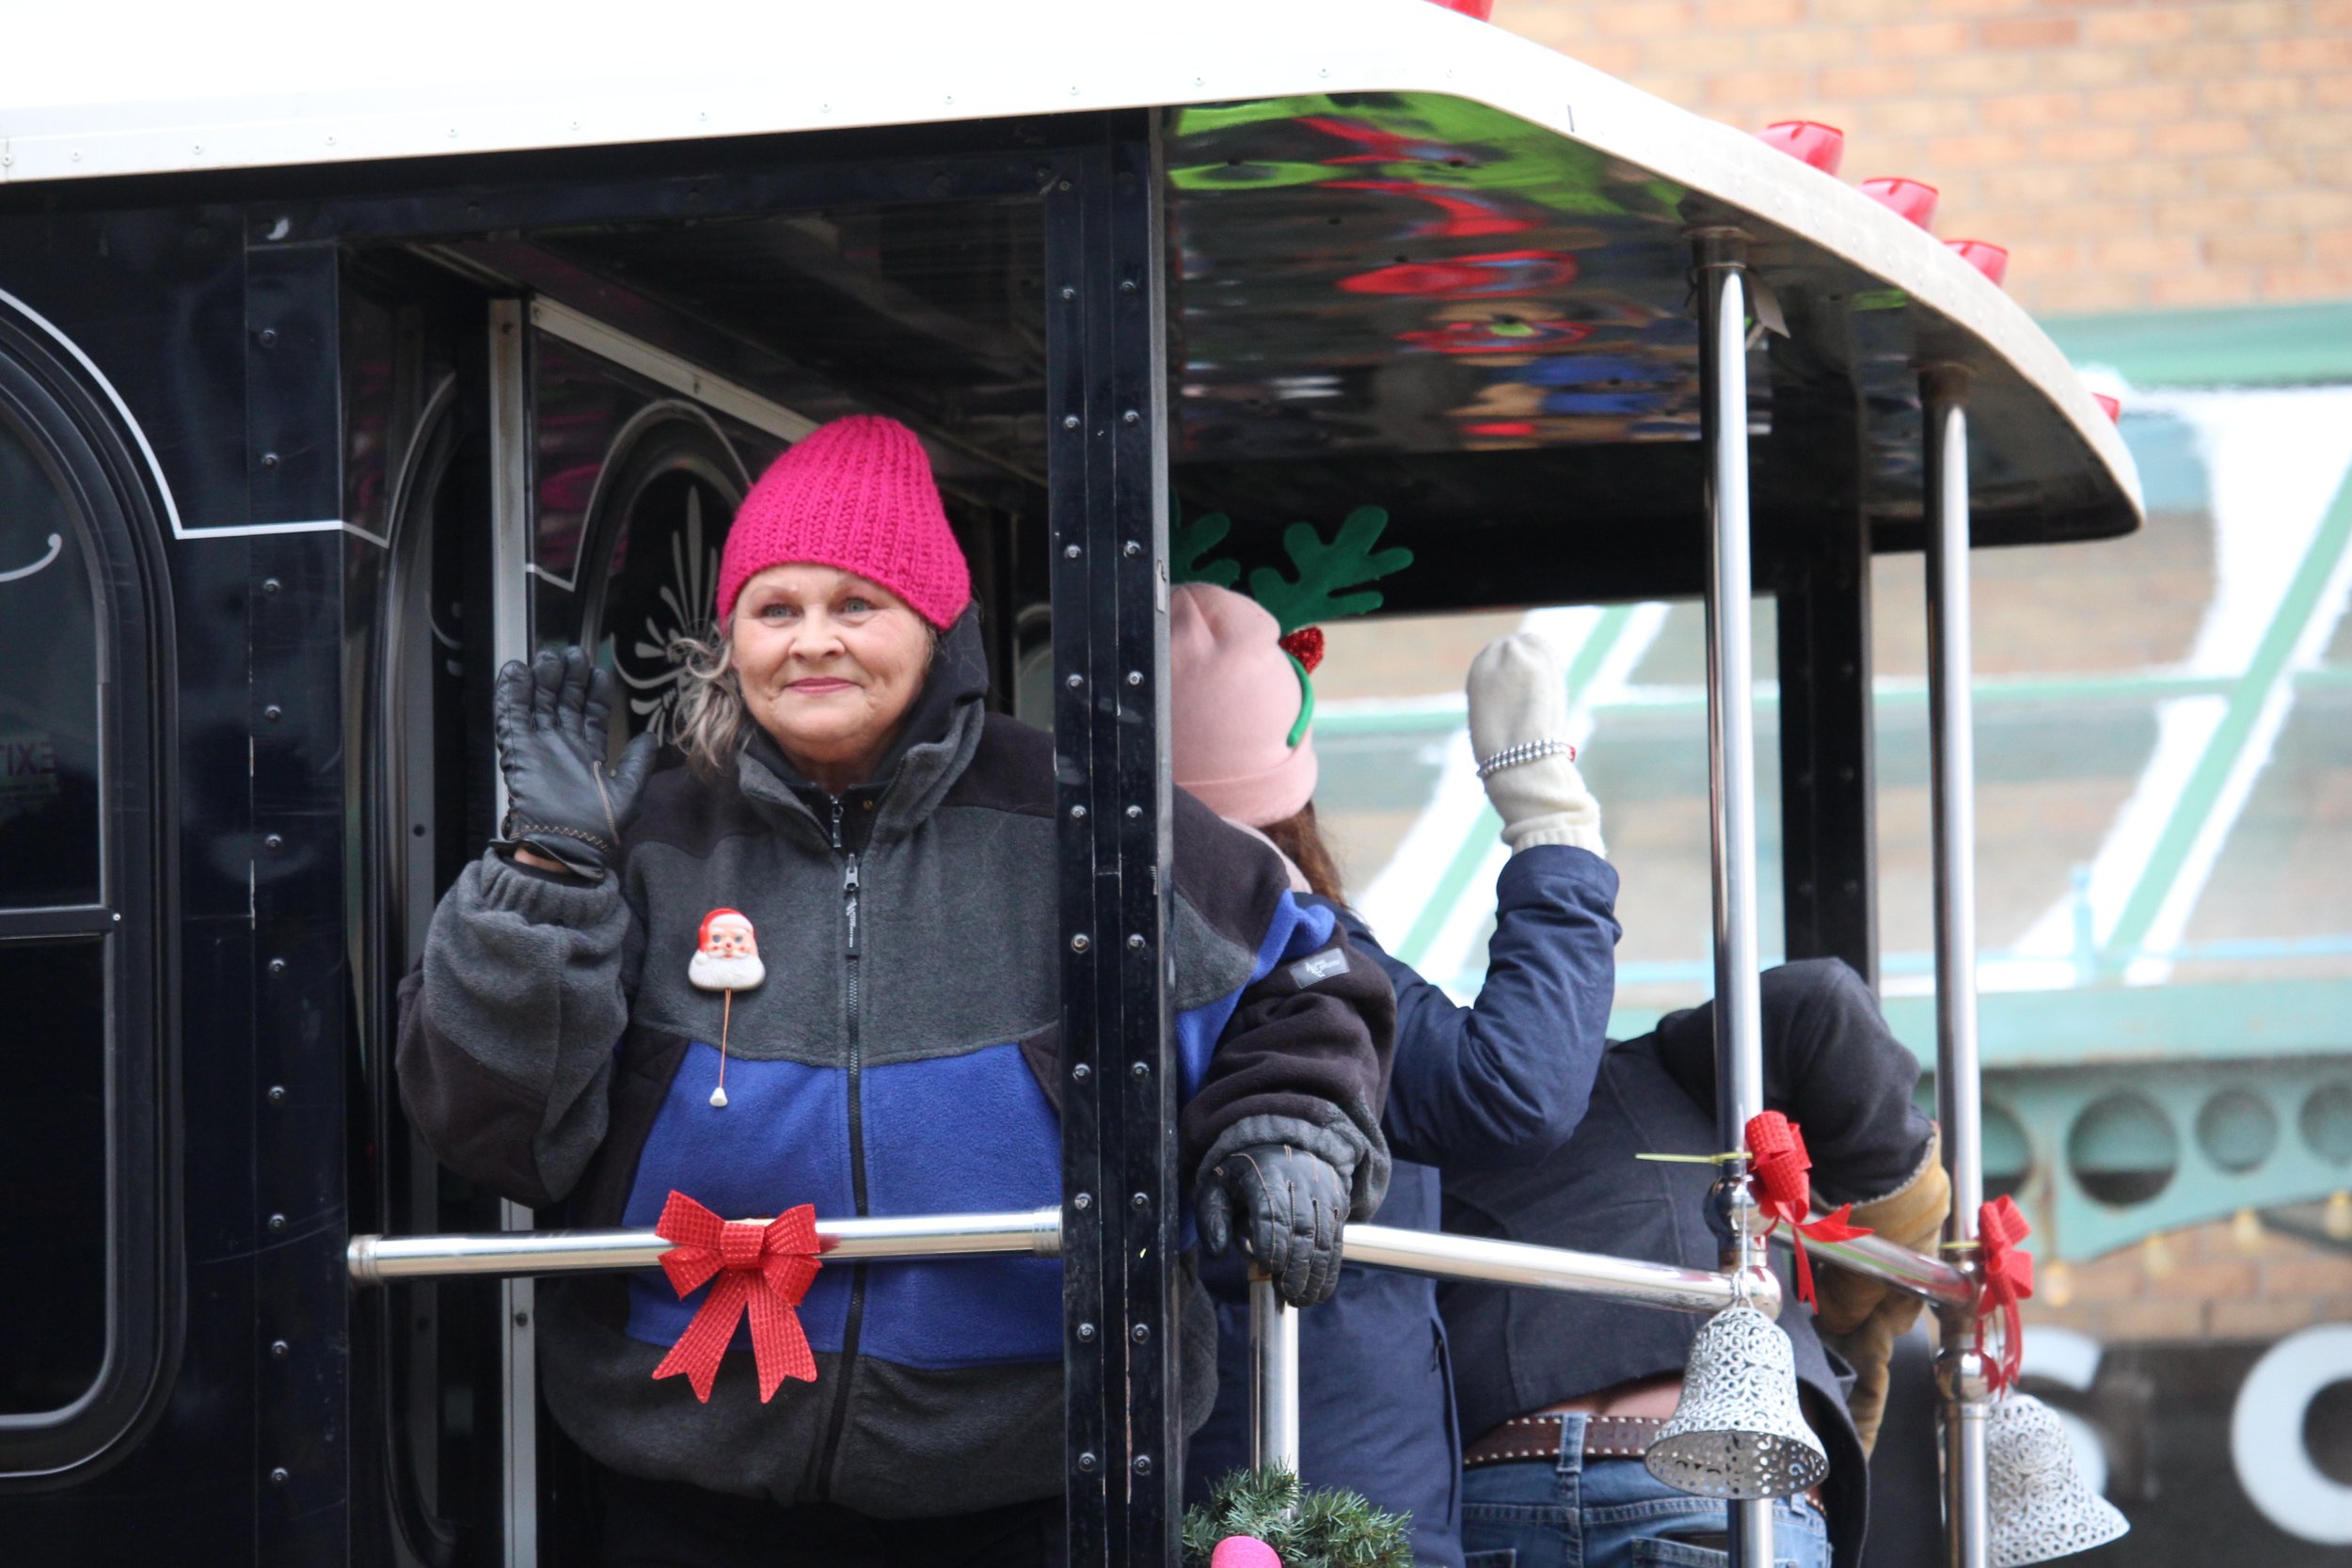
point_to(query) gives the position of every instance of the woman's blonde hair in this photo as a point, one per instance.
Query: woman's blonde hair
(708, 720)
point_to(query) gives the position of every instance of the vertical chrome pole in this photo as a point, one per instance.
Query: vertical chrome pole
(1731, 773)
(510, 637)
(1272, 1378)
(1959, 1370)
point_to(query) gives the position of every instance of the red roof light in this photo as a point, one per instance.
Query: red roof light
(1983, 255)
(1910, 198)
(1824, 147)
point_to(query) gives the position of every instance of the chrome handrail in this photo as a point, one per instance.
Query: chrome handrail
(374, 1259)
(1589, 1273)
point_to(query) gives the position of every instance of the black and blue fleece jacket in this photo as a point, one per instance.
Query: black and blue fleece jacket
(901, 1057)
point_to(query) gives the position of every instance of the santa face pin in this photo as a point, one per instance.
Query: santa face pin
(727, 960)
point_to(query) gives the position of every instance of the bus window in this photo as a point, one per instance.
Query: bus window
(53, 1115)
(80, 1326)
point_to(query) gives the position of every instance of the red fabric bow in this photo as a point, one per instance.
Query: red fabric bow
(765, 1269)
(2008, 1280)
(1784, 1195)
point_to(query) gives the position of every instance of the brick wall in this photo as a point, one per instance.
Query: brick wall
(2129, 153)
(2210, 1282)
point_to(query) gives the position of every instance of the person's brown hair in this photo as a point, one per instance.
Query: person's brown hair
(1298, 836)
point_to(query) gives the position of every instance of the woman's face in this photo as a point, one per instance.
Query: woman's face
(829, 663)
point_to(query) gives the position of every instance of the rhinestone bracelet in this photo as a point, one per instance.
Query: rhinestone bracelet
(1526, 751)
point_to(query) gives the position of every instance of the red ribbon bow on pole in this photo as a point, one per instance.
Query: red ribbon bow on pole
(765, 1269)
(2008, 1280)
(1785, 1195)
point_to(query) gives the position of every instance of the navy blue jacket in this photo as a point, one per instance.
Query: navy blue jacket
(1503, 1082)
(1831, 1063)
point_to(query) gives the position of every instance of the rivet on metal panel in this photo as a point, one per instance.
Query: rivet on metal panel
(1085, 1333)
(1142, 1070)
(1131, 549)
(278, 966)
(1074, 681)
(273, 713)
(271, 585)
(1070, 552)
(1141, 1334)
(1130, 417)
(1127, 286)
(269, 460)
(1087, 1462)
(267, 337)
(1143, 1463)
(1077, 814)
(1139, 1202)
(1134, 814)
(1080, 943)
(1068, 293)
(1081, 1072)
(1135, 944)
(1134, 677)
(1084, 1200)
(1070, 421)
(278, 1476)
(276, 1095)
(280, 1350)
(276, 1225)
(273, 842)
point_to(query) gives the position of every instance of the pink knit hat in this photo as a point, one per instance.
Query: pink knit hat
(856, 495)
(1235, 697)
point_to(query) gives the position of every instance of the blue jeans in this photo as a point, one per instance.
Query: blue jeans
(1610, 1514)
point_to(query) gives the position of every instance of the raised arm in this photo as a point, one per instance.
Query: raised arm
(1508, 1078)
(507, 1031)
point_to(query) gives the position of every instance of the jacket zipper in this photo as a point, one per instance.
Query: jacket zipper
(856, 1316)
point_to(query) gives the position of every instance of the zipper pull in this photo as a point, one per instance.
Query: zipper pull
(848, 894)
(836, 822)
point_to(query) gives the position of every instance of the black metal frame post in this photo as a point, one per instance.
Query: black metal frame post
(1107, 468)
(295, 613)
(1829, 839)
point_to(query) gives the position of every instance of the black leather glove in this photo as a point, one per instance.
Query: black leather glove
(1293, 1203)
(559, 801)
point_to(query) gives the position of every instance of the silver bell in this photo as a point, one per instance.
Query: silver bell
(1737, 1433)
(2035, 1499)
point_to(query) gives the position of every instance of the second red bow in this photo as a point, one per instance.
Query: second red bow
(763, 1270)
(2008, 1280)
(1784, 1194)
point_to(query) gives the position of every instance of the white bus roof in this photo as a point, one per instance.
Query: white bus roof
(88, 95)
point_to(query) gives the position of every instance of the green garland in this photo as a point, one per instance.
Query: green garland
(1326, 1527)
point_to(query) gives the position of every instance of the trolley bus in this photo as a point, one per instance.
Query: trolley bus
(341, 362)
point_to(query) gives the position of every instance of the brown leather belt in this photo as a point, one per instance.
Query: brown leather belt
(1605, 1437)
(1539, 1437)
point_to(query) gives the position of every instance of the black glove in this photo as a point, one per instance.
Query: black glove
(1294, 1203)
(559, 801)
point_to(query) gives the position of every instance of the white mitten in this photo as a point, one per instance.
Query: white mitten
(1518, 717)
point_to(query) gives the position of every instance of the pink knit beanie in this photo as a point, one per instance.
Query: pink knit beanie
(1235, 697)
(856, 495)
